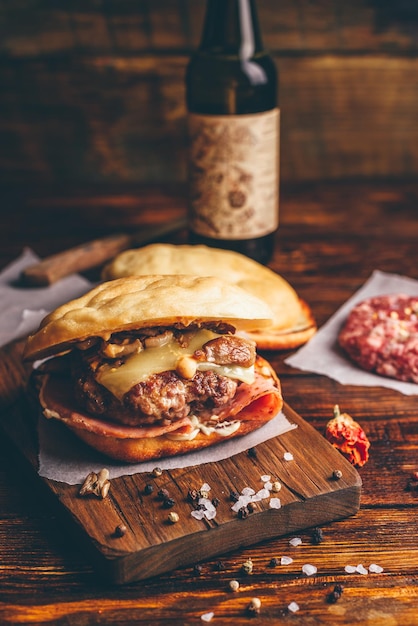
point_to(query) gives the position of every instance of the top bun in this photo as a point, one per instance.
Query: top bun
(292, 323)
(136, 302)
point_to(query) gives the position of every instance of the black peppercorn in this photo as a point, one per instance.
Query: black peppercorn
(252, 452)
(317, 536)
(335, 595)
(148, 489)
(243, 512)
(274, 562)
(412, 485)
(163, 494)
(234, 496)
(197, 569)
(168, 503)
(120, 530)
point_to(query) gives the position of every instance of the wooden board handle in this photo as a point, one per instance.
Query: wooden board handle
(93, 253)
(78, 259)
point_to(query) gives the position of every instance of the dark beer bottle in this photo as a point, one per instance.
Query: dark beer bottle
(233, 121)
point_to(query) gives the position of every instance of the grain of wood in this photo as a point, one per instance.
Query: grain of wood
(95, 93)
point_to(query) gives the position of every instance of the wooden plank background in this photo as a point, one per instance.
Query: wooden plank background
(92, 91)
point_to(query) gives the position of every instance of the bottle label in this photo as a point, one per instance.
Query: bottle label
(234, 174)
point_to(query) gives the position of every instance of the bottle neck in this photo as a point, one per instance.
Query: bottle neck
(231, 27)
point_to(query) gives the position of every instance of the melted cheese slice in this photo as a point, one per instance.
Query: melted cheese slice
(138, 367)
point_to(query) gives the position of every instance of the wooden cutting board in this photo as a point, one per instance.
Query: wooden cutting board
(151, 545)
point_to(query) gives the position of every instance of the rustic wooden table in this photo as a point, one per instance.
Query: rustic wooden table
(332, 236)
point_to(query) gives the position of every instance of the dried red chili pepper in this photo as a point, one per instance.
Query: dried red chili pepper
(348, 437)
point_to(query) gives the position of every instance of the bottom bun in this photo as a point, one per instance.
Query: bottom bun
(137, 444)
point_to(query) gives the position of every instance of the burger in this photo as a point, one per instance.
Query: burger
(144, 367)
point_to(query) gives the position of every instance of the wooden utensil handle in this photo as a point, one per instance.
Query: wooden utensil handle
(83, 257)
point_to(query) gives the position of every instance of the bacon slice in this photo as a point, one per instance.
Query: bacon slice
(246, 395)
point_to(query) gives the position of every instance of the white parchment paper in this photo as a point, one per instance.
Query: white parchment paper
(22, 309)
(322, 354)
(62, 456)
(65, 458)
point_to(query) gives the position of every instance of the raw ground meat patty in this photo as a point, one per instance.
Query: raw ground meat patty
(381, 335)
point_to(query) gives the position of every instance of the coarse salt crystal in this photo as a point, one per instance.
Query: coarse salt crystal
(207, 617)
(350, 569)
(275, 503)
(268, 485)
(248, 491)
(205, 487)
(206, 509)
(375, 569)
(296, 541)
(361, 569)
(288, 456)
(207, 504)
(198, 514)
(293, 607)
(286, 560)
(263, 493)
(309, 569)
(265, 477)
(241, 503)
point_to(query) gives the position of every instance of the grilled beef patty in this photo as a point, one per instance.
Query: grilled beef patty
(163, 397)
